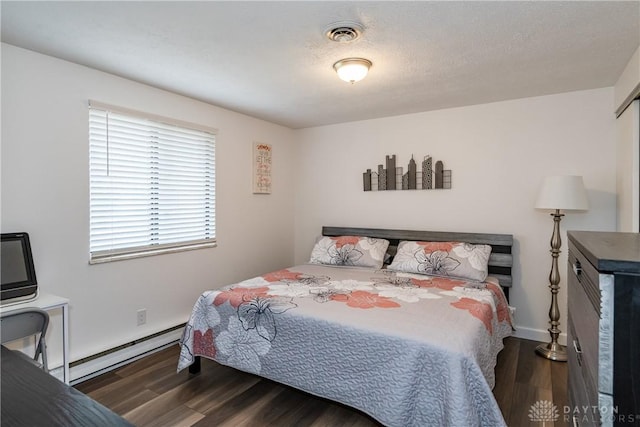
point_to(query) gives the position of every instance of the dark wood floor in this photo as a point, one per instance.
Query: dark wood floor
(148, 392)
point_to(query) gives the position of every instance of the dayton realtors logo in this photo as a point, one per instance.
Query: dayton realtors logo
(544, 411)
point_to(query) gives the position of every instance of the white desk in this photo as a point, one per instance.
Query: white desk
(50, 302)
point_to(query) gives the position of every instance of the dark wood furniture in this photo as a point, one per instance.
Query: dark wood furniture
(31, 397)
(603, 342)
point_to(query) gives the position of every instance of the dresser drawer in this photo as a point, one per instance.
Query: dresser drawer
(583, 332)
(586, 276)
(583, 399)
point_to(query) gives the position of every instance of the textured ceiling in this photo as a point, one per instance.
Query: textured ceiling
(271, 60)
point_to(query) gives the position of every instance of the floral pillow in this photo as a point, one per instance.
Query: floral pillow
(349, 250)
(452, 259)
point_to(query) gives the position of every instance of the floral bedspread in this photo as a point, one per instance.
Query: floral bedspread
(408, 349)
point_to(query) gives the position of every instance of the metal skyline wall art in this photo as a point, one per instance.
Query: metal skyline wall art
(429, 176)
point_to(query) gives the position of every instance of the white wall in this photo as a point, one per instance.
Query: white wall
(45, 192)
(499, 154)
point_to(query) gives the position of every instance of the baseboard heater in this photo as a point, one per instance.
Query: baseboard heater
(108, 360)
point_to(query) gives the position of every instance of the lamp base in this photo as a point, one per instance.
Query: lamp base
(552, 351)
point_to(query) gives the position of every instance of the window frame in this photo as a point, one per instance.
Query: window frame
(116, 254)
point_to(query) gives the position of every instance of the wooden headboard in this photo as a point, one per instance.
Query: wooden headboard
(500, 262)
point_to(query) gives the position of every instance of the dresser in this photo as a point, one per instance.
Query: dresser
(603, 337)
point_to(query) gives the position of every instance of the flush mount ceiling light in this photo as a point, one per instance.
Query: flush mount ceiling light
(352, 69)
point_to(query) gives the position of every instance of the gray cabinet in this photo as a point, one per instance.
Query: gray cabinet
(603, 338)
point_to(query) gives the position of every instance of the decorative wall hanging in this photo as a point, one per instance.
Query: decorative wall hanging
(392, 178)
(261, 168)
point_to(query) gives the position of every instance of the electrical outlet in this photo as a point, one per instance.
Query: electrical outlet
(142, 316)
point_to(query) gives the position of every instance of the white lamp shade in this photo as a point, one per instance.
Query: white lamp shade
(564, 193)
(352, 69)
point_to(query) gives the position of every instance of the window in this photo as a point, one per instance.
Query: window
(152, 184)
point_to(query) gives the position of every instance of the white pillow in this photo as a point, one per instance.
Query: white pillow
(450, 259)
(349, 251)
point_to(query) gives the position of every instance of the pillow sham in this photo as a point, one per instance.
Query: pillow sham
(349, 250)
(451, 259)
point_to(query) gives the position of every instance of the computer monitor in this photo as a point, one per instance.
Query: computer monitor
(18, 275)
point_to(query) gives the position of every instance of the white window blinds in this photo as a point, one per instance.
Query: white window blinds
(152, 185)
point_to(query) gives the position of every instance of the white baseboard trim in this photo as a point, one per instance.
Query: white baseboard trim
(538, 335)
(113, 360)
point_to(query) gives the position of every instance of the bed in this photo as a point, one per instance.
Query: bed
(408, 338)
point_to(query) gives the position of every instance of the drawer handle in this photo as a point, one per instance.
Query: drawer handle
(576, 347)
(577, 269)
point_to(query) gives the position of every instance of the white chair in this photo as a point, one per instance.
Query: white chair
(24, 323)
